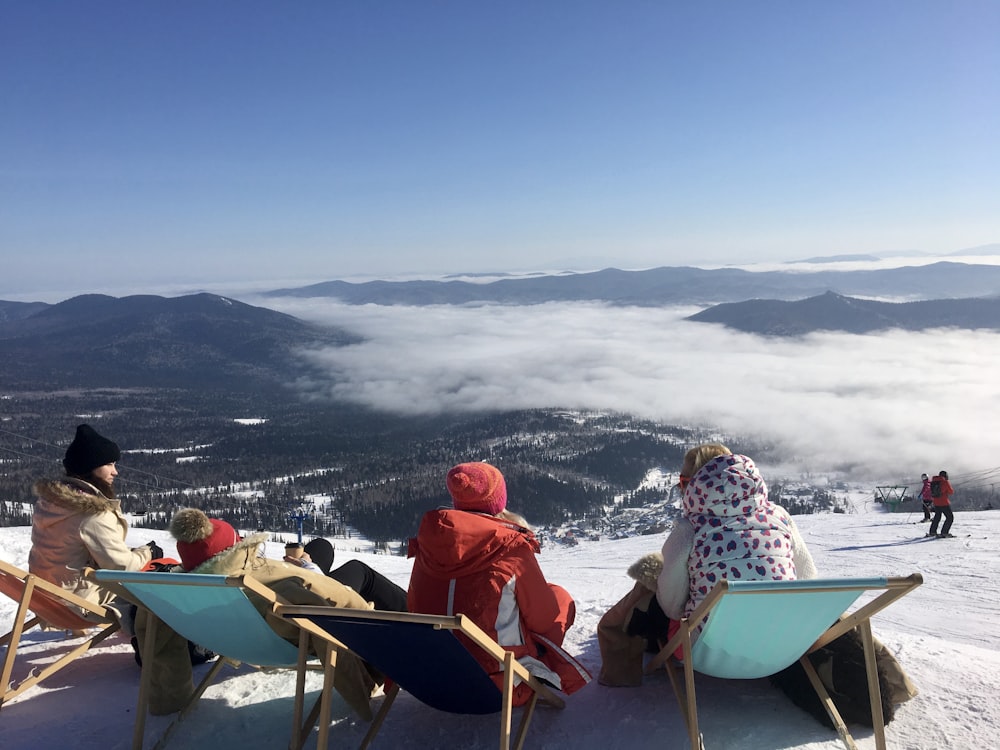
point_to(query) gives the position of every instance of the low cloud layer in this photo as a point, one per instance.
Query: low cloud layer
(886, 406)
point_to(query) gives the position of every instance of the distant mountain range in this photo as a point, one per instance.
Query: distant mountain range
(839, 259)
(208, 341)
(834, 312)
(671, 286)
(199, 340)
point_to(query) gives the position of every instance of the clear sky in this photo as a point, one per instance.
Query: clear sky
(192, 142)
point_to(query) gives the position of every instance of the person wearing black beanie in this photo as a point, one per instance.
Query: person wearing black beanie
(372, 585)
(78, 523)
(88, 451)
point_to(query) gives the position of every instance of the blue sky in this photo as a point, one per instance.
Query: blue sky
(195, 142)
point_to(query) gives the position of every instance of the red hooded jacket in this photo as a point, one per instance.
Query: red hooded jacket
(484, 567)
(946, 492)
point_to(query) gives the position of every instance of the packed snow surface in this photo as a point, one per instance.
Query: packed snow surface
(946, 634)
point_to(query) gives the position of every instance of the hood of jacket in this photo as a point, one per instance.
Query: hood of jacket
(74, 495)
(450, 541)
(241, 558)
(726, 487)
(646, 570)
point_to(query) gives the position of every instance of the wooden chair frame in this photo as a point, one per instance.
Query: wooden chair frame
(202, 630)
(51, 605)
(696, 648)
(349, 626)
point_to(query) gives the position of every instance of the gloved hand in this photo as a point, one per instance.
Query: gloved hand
(156, 549)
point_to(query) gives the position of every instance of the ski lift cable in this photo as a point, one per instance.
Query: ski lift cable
(26, 455)
(130, 482)
(125, 465)
(972, 480)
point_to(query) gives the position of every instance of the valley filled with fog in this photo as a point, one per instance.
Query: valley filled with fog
(883, 406)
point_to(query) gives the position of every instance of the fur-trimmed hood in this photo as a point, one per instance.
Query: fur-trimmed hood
(646, 570)
(509, 515)
(74, 526)
(74, 495)
(240, 558)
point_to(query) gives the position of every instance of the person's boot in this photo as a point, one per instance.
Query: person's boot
(135, 651)
(199, 654)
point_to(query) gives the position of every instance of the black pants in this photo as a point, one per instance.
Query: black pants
(927, 511)
(372, 585)
(942, 510)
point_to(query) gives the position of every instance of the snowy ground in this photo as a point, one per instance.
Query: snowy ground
(945, 634)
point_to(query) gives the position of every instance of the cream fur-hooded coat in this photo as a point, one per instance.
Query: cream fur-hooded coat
(74, 526)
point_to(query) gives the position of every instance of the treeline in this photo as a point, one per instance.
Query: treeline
(338, 469)
(804, 500)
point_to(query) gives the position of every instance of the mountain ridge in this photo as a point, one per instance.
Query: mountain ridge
(669, 285)
(146, 340)
(836, 312)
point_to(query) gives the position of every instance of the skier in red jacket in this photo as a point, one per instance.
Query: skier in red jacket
(926, 500)
(478, 560)
(941, 492)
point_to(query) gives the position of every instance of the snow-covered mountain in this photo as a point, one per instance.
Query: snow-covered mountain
(945, 634)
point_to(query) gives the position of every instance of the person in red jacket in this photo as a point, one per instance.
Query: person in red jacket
(942, 505)
(478, 559)
(926, 499)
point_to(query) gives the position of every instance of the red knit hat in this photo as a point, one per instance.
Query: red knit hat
(477, 486)
(200, 537)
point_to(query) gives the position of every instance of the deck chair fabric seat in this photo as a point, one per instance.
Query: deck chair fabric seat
(423, 655)
(184, 601)
(799, 618)
(376, 641)
(215, 612)
(726, 651)
(51, 606)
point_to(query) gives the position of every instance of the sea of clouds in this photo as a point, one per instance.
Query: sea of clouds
(886, 405)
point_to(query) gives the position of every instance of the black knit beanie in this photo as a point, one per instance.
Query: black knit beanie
(320, 551)
(88, 451)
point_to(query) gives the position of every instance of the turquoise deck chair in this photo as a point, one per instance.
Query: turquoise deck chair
(423, 655)
(214, 612)
(799, 617)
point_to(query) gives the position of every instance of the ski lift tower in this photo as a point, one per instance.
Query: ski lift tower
(299, 517)
(891, 495)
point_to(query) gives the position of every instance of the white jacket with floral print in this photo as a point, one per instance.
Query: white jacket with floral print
(730, 530)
